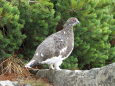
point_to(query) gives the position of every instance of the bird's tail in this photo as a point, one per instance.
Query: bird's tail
(32, 63)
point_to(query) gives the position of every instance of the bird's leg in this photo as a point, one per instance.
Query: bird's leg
(51, 66)
(57, 64)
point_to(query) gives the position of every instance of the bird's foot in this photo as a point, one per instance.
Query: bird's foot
(58, 68)
(51, 67)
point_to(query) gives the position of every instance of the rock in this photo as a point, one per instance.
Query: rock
(104, 76)
(12, 83)
(8, 83)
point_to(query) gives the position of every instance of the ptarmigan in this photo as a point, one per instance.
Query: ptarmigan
(55, 48)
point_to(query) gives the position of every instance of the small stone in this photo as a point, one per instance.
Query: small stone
(8, 83)
(27, 85)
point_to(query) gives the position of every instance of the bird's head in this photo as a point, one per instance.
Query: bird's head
(71, 22)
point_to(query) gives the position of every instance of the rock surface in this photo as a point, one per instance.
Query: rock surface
(104, 76)
(8, 83)
(12, 83)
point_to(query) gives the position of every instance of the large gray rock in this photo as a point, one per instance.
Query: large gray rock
(104, 76)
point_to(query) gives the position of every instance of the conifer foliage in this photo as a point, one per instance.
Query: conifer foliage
(11, 36)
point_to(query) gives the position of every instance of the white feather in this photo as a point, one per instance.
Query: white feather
(28, 65)
(42, 55)
(37, 54)
(52, 60)
(63, 50)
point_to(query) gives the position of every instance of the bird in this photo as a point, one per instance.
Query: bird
(56, 47)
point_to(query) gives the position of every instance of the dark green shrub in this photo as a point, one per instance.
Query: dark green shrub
(112, 35)
(70, 63)
(10, 29)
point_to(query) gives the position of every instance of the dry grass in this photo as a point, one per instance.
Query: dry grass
(13, 69)
(13, 65)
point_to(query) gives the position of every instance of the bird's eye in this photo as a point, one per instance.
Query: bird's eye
(74, 20)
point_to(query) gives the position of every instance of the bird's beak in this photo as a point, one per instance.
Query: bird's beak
(78, 22)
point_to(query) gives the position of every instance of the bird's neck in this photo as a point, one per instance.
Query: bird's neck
(69, 34)
(68, 29)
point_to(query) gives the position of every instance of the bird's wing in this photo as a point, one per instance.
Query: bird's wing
(60, 43)
(50, 47)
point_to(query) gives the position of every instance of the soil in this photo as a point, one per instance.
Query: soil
(8, 77)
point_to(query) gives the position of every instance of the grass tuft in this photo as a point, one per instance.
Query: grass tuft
(15, 67)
